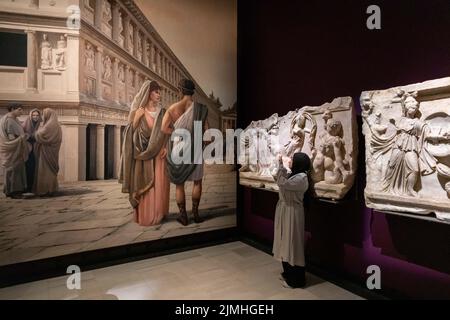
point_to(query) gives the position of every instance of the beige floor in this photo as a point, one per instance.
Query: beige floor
(90, 215)
(229, 271)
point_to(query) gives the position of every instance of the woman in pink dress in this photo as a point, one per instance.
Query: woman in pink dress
(143, 162)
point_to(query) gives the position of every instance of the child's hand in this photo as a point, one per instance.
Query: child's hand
(289, 163)
(163, 153)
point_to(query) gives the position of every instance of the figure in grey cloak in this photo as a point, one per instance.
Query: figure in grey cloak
(48, 143)
(14, 150)
(30, 126)
(182, 115)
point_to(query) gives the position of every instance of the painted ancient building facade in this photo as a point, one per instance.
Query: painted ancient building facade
(89, 70)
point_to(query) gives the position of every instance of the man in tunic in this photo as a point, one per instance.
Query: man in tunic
(182, 115)
(14, 151)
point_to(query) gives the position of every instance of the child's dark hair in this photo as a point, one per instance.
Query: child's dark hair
(301, 163)
(14, 106)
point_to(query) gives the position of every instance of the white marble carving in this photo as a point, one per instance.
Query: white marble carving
(46, 53)
(407, 136)
(61, 53)
(328, 134)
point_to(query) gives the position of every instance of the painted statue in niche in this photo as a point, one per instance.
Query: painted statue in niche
(46, 53)
(61, 54)
(107, 68)
(107, 14)
(326, 133)
(130, 78)
(407, 133)
(130, 36)
(89, 58)
(120, 25)
(121, 74)
(139, 48)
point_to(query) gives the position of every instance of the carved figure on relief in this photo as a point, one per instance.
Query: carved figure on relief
(89, 58)
(107, 68)
(61, 53)
(331, 161)
(46, 53)
(107, 14)
(332, 153)
(121, 73)
(408, 148)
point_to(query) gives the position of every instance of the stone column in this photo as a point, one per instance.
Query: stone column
(173, 74)
(127, 80)
(115, 79)
(98, 72)
(32, 55)
(152, 56)
(165, 68)
(126, 30)
(98, 14)
(117, 150)
(72, 63)
(115, 21)
(100, 161)
(136, 82)
(158, 61)
(145, 53)
(135, 38)
(73, 152)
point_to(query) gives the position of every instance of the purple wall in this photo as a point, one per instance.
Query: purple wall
(299, 53)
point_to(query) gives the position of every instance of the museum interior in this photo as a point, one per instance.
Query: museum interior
(364, 97)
